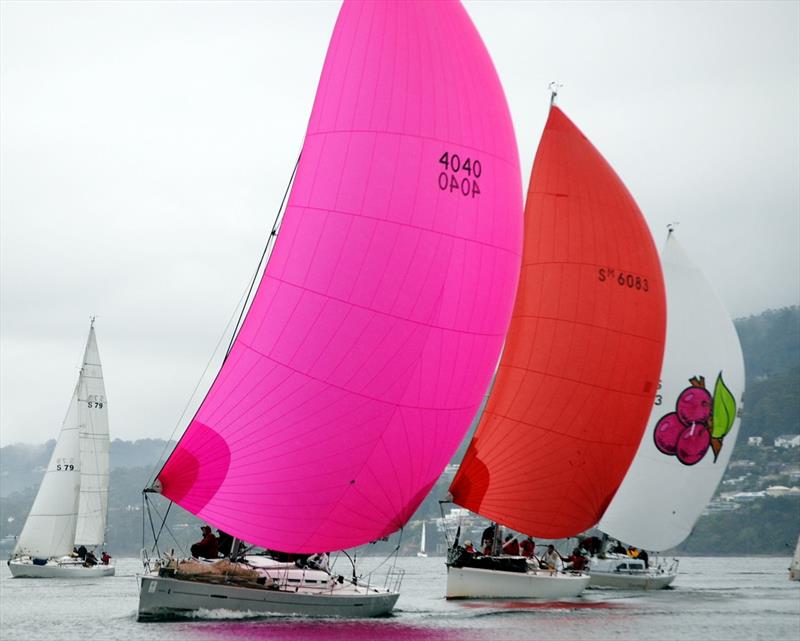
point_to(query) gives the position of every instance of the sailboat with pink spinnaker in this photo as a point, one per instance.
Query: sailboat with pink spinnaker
(375, 329)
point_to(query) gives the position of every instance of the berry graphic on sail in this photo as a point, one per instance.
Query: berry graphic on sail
(700, 422)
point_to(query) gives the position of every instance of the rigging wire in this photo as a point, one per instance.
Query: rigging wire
(164, 526)
(152, 527)
(270, 241)
(394, 554)
(444, 523)
(243, 301)
(179, 422)
(244, 297)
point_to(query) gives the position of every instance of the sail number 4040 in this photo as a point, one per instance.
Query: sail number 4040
(623, 279)
(460, 174)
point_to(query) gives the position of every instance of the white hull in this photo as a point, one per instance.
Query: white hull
(165, 597)
(622, 572)
(627, 581)
(478, 583)
(794, 566)
(281, 589)
(54, 569)
(794, 570)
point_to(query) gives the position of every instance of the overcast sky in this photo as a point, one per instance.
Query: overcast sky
(145, 147)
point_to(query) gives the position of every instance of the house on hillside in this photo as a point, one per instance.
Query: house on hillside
(747, 497)
(755, 441)
(782, 490)
(788, 440)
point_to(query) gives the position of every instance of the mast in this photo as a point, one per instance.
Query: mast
(554, 87)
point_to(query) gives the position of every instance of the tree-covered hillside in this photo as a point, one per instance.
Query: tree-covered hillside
(771, 344)
(767, 526)
(772, 406)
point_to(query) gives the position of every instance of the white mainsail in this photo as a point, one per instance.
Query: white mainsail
(663, 494)
(49, 530)
(93, 504)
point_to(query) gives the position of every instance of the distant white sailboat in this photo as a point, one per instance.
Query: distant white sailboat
(71, 506)
(422, 552)
(794, 567)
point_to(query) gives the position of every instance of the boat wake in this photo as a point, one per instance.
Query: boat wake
(511, 606)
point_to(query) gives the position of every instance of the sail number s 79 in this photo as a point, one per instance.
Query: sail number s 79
(460, 175)
(95, 401)
(65, 465)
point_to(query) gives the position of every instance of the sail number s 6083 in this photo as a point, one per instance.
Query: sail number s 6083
(460, 175)
(623, 279)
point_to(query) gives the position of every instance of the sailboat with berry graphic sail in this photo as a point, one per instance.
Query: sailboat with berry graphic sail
(695, 418)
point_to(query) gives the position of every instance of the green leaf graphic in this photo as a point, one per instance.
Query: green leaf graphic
(724, 409)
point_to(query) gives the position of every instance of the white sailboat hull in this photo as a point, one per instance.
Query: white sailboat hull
(479, 583)
(167, 597)
(55, 569)
(630, 582)
(794, 566)
(622, 572)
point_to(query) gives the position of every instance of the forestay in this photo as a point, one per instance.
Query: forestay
(377, 325)
(685, 449)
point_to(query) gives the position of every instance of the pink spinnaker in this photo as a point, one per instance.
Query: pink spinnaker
(377, 326)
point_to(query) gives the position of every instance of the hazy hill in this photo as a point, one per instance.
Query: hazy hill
(771, 346)
(23, 465)
(771, 343)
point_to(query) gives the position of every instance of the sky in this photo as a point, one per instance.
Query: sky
(145, 148)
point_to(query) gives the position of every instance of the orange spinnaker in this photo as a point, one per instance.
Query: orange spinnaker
(581, 362)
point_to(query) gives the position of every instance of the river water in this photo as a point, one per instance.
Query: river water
(713, 599)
